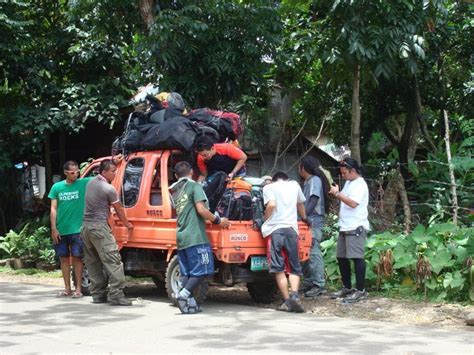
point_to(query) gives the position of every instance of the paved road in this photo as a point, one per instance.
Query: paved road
(32, 320)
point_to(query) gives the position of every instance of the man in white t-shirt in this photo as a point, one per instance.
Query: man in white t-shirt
(353, 228)
(284, 200)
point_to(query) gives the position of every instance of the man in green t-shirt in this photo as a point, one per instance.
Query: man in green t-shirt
(67, 208)
(196, 261)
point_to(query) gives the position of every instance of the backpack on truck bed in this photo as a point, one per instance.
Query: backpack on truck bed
(130, 140)
(214, 187)
(236, 202)
(228, 124)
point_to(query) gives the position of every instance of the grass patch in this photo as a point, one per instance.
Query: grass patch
(31, 272)
(138, 280)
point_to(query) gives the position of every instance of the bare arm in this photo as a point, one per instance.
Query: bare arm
(121, 215)
(117, 159)
(202, 177)
(271, 205)
(240, 163)
(53, 215)
(343, 198)
(208, 216)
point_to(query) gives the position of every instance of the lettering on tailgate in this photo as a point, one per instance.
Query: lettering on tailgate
(239, 237)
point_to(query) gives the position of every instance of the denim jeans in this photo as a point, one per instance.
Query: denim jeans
(313, 269)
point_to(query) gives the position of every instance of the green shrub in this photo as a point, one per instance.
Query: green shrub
(13, 243)
(33, 242)
(436, 261)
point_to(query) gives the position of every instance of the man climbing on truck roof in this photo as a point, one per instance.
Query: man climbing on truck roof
(196, 260)
(214, 157)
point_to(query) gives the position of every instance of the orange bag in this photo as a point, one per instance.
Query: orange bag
(239, 185)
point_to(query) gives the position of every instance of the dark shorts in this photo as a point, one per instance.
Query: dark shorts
(282, 252)
(69, 244)
(197, 260)
(351, 245)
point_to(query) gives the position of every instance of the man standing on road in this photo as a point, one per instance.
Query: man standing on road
(315, 189)
(100, 248)
(196, 261)
(353, 228)
(284, 200)
(67, 209)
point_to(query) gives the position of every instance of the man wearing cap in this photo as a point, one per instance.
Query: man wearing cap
(353, 228)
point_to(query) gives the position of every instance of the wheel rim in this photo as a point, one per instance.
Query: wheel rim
(175, 284)
(86, 282)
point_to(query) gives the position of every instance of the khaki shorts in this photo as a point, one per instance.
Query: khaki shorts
(351, 245)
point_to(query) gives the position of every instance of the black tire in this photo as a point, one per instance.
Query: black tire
(160, 284)
(173, 285)
(85, 281)
(159, 281)
(263, 292)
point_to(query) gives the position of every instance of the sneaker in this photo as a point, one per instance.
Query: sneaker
(193, 306)
(285, 307)
(356, 297)
(182, 304)
(315, 292)
(295, 304)
(305, 288)
(121, 301)
(99, 299)
(343, 292)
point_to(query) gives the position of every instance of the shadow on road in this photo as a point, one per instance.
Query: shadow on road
(31, 312)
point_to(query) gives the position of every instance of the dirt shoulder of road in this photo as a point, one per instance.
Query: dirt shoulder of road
(378, 308)
(375, 308)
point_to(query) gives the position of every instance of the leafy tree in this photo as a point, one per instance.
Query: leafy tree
(213, 52)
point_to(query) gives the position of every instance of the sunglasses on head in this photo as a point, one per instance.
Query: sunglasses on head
(344, 164)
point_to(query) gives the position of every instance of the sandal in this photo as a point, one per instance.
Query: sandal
(64, 294)
(76, 295)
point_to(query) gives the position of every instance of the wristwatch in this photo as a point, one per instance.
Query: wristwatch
(217, 220)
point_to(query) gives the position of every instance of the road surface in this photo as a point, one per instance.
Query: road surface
(33, 320)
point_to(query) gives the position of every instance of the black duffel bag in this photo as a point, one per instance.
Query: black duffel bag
(176, 133)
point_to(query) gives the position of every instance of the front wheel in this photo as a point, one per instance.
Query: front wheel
(173, 284)
(85, 281)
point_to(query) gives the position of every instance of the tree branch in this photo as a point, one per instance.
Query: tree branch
(313, 144)
(293, 140)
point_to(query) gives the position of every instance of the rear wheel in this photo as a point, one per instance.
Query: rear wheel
(263, 292)
(85, 281)
(160, 283)
(173, 284)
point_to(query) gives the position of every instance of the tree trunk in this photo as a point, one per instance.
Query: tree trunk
(405, 202)
(447, 141)
(388, 202)
(408, 144)
(452, 179)
(147, 12)
(355, 118)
